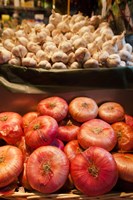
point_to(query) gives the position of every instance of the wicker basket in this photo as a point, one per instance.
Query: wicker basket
(72, 195)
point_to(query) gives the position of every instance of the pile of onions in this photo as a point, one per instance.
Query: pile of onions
(60, 145)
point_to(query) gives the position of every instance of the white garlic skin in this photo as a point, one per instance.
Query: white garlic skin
(22, 40)
(19, 51)
(75, 65)
(42, 55)
(65, 46)
(44, 64)
(15, 61)
(29, 62)
(91, 63)
(59, 56)
(8, 44)
(125, 55)
(113, 60)
(33, 47)
(80, 42)
(8, 33)
(103, 56)
(71, 57)
(128, 47)
(82, 54)
(59, 65)
(5, 55)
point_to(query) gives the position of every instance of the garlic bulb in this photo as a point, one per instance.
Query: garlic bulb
(8, 44)
(129, 63)
(15, 61)
(31, 55)
(5, 55)
(88, 37)
(80, 42)
(33, 47)
(59, 56)
(77, 26)
(110, 46)
(71, 57)
(91, 63)
(103, 55)
(120, 40)
(42, 55)
(83, 30)
(65, 46)
(92, 48)
(125, 55)
(19, 51)
(29, 62)
(123, 63)
(95, 20)
(128, 47)
(75, 65)
(8, 33)
(82, 54)
(22, 40)
(20, 33)
(58, 38)
(55, 18)
(44, 64)
(113, 60)
(50, 27)
(59, 65)
(55, 32)
(68, 35)
(50, 49)
(63, 26)
(41, 37)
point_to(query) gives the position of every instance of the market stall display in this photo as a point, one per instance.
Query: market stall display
(30, 103)
(66, 110)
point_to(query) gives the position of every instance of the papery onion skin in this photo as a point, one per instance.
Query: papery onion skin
(94, 171)
(124, 163)
(27, 118)
(72, 148)
(111, 112)
(54, 106)
(124, 134)
(97, 132)
(83, 109)
(47, 169)
(68, 131)
(11, 164)
(41, 131)
(11, 127)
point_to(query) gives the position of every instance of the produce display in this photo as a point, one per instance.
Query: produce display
(66, 42)
(62, 146)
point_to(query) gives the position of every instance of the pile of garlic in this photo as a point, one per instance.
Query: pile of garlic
(66, 42)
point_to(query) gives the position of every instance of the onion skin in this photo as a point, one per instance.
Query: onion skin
(124, 134)
(111, 112)
(68, 131)
(83, 109)
(11, 164)
(41, 131)
(124, 163)
(72, 148)
(55, 107)
(94, 171)
(11, 127)
(97, 132)
(27, 118)
(51, 171)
